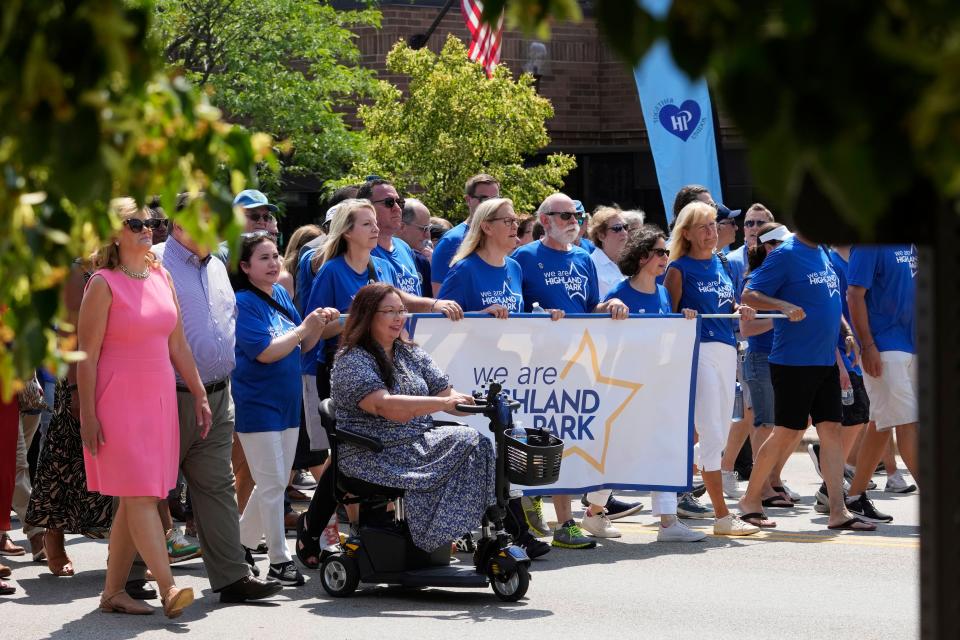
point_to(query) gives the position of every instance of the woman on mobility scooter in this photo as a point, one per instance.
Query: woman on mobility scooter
(386, 387)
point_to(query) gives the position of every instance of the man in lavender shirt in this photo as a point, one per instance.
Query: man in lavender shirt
(209, 312)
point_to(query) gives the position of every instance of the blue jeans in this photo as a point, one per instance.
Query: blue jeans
(756, 373)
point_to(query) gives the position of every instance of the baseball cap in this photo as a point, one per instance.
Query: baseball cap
(723, 212)
(252, 199)
(578, 207)
(332, 211)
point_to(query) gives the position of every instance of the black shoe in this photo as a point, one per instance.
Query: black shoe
(617, 509)
(261, 549)
(286, 573)
(140, 590)
(250, 588)
(814, 450)
(863, 507)
(534, 548)
(248, 556)
(698, 490)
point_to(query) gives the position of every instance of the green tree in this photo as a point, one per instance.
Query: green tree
(285, 67)
(454, 122)
(850, 110)
(84, 117)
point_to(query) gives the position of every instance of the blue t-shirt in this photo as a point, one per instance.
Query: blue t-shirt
(657, 303)
(761, 343)
(737, 260)
(707, 289)
(335, 285)
(267, 397)
(840, 266)
(445, 250)
(889, 275)
(403, 262)
(475, 285)
(802, 275)
(586, 244)
(558, 279)
(305, 276)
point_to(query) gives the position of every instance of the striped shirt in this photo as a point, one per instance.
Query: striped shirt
(208, 307)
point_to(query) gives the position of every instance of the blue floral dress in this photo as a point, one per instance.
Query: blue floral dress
(447, 472)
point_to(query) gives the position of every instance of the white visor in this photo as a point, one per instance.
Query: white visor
(780, 233)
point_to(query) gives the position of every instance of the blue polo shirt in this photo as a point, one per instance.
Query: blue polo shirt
(802, 275)
(889, 275)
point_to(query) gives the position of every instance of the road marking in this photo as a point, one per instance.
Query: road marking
(864, 539)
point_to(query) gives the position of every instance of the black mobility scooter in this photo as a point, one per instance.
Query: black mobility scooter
(382, 552)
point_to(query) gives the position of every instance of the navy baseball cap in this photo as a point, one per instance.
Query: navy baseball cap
(253, 199)
(723, 212)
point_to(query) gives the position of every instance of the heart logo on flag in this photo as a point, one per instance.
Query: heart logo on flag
(681, 121)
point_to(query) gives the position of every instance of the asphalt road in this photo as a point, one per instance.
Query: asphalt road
(798, 581)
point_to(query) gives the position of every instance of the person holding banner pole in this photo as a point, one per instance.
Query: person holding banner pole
(558, 275)
(643, 260)
(798, 280)
(696, 279)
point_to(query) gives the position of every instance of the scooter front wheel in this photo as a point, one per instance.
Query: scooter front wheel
(340, 575)
(511, 586)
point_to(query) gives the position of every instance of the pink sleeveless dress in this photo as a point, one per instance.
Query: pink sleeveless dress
(136, 397)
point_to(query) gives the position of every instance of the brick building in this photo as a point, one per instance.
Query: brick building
(597, 111)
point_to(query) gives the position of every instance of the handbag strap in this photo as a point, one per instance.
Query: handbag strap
(273, 303)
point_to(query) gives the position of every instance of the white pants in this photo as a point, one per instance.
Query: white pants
(664, 503)
(311, 410)
(22, 487)
(600, 497)
(270, 458)
(716, 387)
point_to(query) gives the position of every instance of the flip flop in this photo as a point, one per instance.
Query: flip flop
(850, 525)
(777, 502)
(758, 519)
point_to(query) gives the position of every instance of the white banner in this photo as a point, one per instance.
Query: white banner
(619, 393)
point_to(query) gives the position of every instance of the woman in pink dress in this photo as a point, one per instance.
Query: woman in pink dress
(131, 331)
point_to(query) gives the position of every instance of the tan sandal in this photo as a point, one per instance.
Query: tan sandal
(176, 600)
(58, 562)
(120, 602)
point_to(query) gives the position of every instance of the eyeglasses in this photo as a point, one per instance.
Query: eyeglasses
(507, 220)
(661, 253)
(394, 313)
(136, 224)
(257, 217)
(617, 228)
(728, 221)
(753, 223)
(423, 228)
(389, 202)
(566, 215)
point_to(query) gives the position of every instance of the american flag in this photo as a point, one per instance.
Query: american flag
(484, 38)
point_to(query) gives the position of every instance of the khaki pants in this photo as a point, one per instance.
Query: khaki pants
(22, 487)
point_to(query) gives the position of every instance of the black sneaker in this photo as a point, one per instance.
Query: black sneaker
(689, 507)
(534, 548)
(814, 451)
(699, 489)
(863, 507)
(617, 509)
(465, 544)
(248, 556)
(286, 573)
(823, 501)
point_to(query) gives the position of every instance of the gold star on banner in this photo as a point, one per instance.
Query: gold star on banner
(587, 346)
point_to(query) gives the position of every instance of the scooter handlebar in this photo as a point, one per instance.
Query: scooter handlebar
(481, 406)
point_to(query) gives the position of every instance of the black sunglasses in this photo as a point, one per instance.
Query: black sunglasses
(262, 233)
(257, 217)
(566, 215)
(136, 224)
(617, 228)
(389, 202)
(662, 253)
(753, 223)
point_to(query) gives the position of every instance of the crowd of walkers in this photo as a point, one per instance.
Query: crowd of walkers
(199, 396)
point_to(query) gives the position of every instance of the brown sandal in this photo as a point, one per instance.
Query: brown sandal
(5, 571)
(121, 602)
(176, 600)
(8, 548)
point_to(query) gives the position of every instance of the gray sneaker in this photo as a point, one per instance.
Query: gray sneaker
(570, 536)
(690, 507)
(533, 514)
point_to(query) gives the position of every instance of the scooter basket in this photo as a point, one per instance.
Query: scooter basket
(535, 462)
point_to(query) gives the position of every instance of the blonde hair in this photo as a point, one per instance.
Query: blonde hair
(691, 215)
(343, 220)
(300, 237)
(108, 255)
(475, 237)
(598, 222)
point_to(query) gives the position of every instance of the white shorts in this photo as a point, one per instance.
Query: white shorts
(311, 411)
(716, 387)
(893, 396)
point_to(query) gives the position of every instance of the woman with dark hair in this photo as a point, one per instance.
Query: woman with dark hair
(386, 387)
(267, 394)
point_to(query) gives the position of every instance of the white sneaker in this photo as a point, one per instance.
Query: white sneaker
(679, 532)
(896, 484)
(731, 482)
(599, 526)
(730, 525)
(790, 492)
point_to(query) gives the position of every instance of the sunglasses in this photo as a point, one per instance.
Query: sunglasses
(753, 223)
(254, 235)
(389, 202)
(136, 224)
(566, 215)
(617, 228)
(660, 253)
(257, 217)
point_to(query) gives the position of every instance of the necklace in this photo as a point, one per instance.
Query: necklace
(141, 275)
